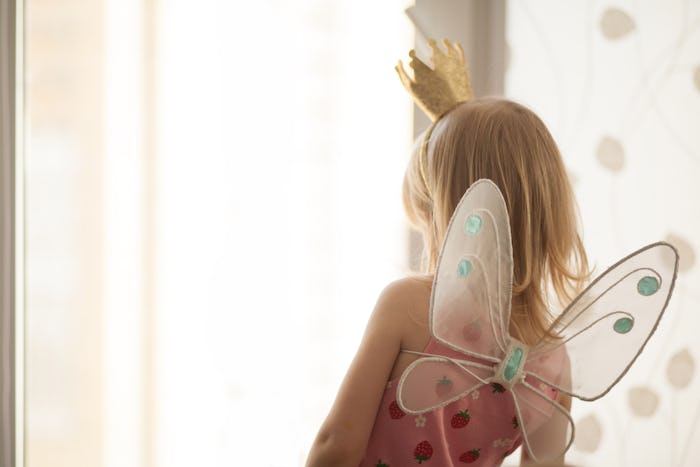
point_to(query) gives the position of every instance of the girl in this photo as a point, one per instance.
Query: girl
(508, 144)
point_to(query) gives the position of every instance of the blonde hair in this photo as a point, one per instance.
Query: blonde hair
(507, 143)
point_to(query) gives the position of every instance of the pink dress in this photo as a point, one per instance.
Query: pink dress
(479, 429)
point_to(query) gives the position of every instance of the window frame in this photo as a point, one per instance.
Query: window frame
(11, 234)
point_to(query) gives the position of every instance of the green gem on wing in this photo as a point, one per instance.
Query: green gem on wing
(443, 386)
(647, 285)
(473, 224)
(513, 364)
(464, 268)
(623, 325)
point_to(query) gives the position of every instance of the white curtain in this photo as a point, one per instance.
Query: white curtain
(214, 204)
(282, 142)
(618, 84)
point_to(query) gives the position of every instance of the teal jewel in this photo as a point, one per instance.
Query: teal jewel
(473, 224)
(648, 285)
(464, 267)
(513, 365)
(444, 381)
(623, 325)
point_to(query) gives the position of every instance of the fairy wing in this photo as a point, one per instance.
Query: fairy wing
(606, 327)
(435, 381)
(546, 426)
(469, 305)
(602, 332)
(470, 301)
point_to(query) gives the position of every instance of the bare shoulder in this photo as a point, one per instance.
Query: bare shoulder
(404, 306)
(406, 292)
(343, 438)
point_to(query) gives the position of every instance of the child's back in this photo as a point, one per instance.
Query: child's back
(508, 144)
(481, 428)
(465, 372)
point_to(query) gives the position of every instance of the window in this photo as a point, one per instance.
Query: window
(213, 205)
(11, 265)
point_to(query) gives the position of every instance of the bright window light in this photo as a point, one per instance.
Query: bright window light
(213, 207)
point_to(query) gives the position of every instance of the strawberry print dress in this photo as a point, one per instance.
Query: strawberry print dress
(480, 429)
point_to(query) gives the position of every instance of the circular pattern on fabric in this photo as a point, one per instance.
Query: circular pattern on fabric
(623, 325)
(464, 268)
(680, 369)
(616, 24)
(643, 401)
(686, 253)
(611, 154)
(589, 434)
(473, 224)
(647, 285)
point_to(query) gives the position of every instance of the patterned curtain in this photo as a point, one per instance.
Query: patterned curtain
(618, 84)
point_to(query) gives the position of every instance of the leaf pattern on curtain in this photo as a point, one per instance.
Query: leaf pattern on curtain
(618, 87)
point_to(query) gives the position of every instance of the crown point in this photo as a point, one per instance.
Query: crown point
(449, 46)
(439, 88)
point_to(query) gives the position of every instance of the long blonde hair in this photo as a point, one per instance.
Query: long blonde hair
(507, 143)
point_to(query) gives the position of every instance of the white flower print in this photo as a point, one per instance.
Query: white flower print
(420, 421)
(475, 394)
(503, 442)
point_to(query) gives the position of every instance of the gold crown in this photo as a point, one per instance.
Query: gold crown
(441, 88)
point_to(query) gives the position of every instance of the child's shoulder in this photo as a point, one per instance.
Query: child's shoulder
(407, 289)
(409, 296)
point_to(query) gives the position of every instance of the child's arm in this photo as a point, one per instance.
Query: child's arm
(550, 439)
(342, 439)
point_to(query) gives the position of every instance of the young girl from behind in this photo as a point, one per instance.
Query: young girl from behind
(507, 143)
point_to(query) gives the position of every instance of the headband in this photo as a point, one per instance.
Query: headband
(436, 90)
